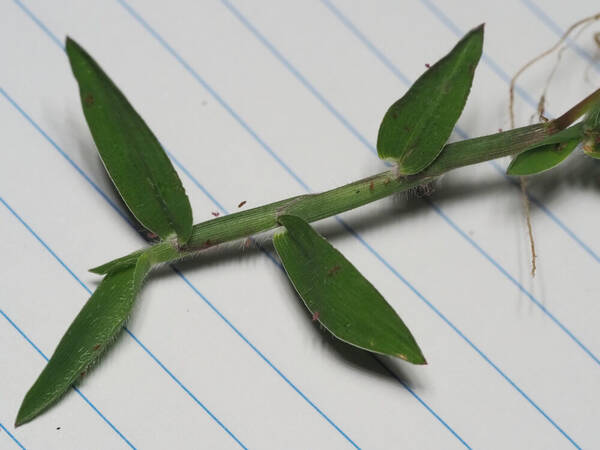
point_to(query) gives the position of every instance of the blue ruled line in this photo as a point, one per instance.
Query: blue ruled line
(38, 22)
(420, 400)
(81, 394)
(484, 57)
(462, 335)
(543, 17)
(9, 433)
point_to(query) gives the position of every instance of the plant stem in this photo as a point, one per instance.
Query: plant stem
(313, 207)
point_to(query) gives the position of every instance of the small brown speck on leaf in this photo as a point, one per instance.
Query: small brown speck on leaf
(96, 347)
(427, 65)
(89, 99)
(206, 245)
(335, 269)
(216, 213)
(372, 186)
(499, 130)
(315, 316)
(394, 114)
(242, 204)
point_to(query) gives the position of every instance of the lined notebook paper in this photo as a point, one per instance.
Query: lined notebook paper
(258, 101)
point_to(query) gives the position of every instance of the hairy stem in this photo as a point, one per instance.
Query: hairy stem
(313, 207)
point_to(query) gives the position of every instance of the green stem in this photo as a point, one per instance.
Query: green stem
(313, 207)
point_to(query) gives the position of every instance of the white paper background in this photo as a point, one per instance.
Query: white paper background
(258, 101)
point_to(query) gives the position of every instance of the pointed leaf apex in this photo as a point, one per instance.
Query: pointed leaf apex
(416, 127)
(339, 296)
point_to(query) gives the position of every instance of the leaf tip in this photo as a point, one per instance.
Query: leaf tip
(420, 360)
(479, 30)
(512, 169)
(71, 45)
(25, 414)
(415, 357)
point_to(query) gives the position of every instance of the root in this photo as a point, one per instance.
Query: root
(511, 91)
(527, 209)
(582, 25)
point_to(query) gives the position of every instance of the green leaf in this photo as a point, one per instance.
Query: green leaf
(338, 296)
(541, 158)
(591, 132)
(133, 157)
(94, 328)
(416, 127)
(548, 153)
(118, 264)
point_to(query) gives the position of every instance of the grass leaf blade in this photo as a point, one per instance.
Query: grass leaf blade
(338, 296)
(133, 157)
(92, 331)
(417, 126)
(540, 159)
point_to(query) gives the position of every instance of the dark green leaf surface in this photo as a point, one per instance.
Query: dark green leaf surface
(94, 328)
(133, 157)
(417, 126)
(338, 296)
(541, 158)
